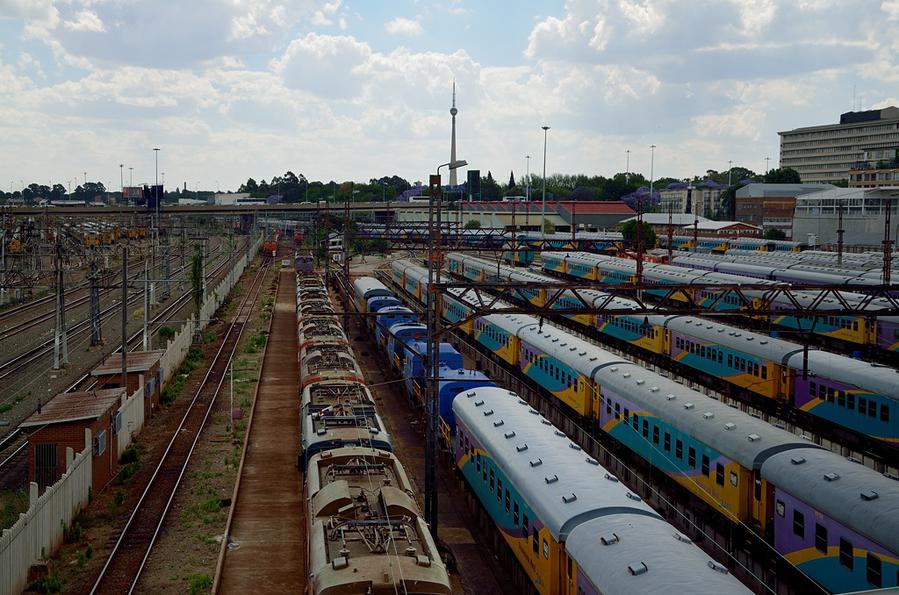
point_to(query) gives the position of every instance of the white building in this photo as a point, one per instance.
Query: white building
(863, 212)
(229, 199)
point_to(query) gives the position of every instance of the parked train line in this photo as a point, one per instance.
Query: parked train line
(801, 384)
(132, 548)
(365, 531)
(542, 494)
(833, 519)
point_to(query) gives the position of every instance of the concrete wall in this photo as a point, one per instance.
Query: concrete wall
(862, 231)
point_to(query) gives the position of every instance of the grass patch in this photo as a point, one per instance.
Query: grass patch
(5, 408)
(209, 336)
(13, 504)
(257, 343)
(167, 332)
(191, 362)
(199, 583)
(201, 513)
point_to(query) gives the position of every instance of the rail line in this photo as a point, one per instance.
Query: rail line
(18, 362)
(132, 549)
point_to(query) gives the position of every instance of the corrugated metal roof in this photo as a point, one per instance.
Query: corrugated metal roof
(68, 407)
(137, 361)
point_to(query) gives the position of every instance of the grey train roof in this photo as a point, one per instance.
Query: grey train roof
(530, 451)
(580, 355)
(369, 286)
(737, 435)
(880, 379)
(673, 563)
(855, 496)
(736, 338)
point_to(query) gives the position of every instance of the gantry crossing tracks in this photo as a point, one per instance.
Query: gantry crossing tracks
(132, 549)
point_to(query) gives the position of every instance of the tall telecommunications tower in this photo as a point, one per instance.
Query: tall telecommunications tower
(453, 111)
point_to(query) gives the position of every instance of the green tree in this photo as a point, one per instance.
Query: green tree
(549, 226)
(783, 175)
(511, 180)
(647, 235)
(772, 233)
(472, 224)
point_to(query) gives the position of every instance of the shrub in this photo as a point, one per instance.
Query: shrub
(130, 455)
(47, 584)
(199, 583)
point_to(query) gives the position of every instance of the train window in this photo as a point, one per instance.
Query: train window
(679, 448)
(862, 403)
(733, 478)
(855, 325)
(719, 474)
(515, 513)
(822, 394)
(535, 543)
(499, 489)
(667, 440)
(655, 434)
(484, 471)
(507, 502)
(617, 411)
(872, 408)
(720, 357)
(645, 429)
(847, 557)
(730, 360)
(764, 372)
(525, 525)
(874, 574)
(841, 399)
(757, 492)
(492, 480)
(705, 465)
(627, 414)
(780, 508)
(812, 389)
(821, 538)
(691, 457)
(477, 462)
(884, 412)
(635, 422)
(569, 567)
(546, 549)
(608, 407)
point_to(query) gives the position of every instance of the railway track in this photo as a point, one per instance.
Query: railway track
(132, 548)
(16, 363)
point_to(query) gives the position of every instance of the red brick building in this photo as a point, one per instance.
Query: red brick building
(60, 423)
(140, 363)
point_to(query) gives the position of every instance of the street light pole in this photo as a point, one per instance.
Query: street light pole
(131, 177)
(543, 205)
(527, 187)
(627, 166)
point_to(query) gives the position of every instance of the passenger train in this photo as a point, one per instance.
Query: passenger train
(365, 531)
(553, 504)
(834, 519)
(849, 393)
(863, 331)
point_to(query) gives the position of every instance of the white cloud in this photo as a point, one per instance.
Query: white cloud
(326, 65)
(404, 26)
(86, 21)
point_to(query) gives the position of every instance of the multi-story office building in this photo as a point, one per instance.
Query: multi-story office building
(827, 153)
(862, 210)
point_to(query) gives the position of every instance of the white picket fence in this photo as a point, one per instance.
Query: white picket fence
(40, 531)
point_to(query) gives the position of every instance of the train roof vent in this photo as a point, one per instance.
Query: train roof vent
(536, 462)
(869, 495)
(592, 358)
(891, 476)
(640, 382)
(569, 499)
(720, 330)
(730, 425)
(521, 447)
(573, 446)
(322, 431)
(555, 339)
(611, 478)
(750, 338)
(609, 539)
(634, 497)
(546, 422)
(470, 394)
(340, 563)
(688, 321)
(670, 396)
(681, 537)
(763, 342)
(488, 412)
(560, 433)
(626, 375)
(754, 437)
(638, 568)
(374, 431)
(797, 460)
(614, 368)
(708, 415)
(522, 401)
(533, 411)
(509, 435)
(551, 479)
(479, 403)
(854, 460)
(831, 476)
(498, 423)
(592, 461)
(582, 353)
(654, 389)
(572, 348)
(717, 567)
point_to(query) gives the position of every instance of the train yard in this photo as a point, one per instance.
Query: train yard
(441, 421)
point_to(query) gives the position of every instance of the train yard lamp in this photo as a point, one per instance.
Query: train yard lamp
(433, 347)
(543, 202)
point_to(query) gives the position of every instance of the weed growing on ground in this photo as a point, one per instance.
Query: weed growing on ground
(46, 584)
(199, 583)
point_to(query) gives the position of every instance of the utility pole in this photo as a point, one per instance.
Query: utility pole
(125, 318)
(3, 240)
(670, 232)
(543, 202)
(96, 332)
(60, 336)
(346, 261)
(166, 267)
(146, 330)
(887, 244)
(840, 234)
(433, 357)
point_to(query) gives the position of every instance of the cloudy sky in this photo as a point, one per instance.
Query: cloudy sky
(352, 89)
